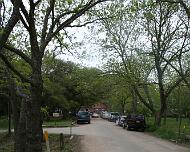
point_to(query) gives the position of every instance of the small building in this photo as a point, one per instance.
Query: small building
(98, 107)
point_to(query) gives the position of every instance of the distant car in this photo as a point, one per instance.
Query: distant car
(113, 116)
(95, 115)
(83, 116)
(135, 122)
(106, 115)
(120, 120)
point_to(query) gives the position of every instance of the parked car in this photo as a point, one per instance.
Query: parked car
(83, 116)
(106, 115)
(113, 116)
(120, 120)
(135, 122)
(95, 115)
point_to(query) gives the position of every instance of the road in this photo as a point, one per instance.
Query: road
(104, 136)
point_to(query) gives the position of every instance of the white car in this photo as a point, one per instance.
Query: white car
(95, 115)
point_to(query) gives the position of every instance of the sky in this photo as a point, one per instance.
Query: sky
(88, 53)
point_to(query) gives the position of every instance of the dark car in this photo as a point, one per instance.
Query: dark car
(120, 120)
(83, 116)
(113, 116)
(135, 122)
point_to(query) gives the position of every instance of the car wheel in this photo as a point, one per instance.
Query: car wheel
(127, 127)
(142, 129)
(88, 122)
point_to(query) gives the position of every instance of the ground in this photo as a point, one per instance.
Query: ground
(104, 136)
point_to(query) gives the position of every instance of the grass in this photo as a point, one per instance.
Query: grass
(6, 143)
(4, 123)
(57, 123)
(169, 131)
(52, 123)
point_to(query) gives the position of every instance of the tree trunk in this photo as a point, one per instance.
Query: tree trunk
(165, 116)
(19, 118)
(163, 97)
(20, 133)
(158, 119)
(159, 114)
(179, 126)
(123, 107)
(134, 102)
(9, 116)
(34, 127)
(34, 122)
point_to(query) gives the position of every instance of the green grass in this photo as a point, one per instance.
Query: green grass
(170, 130)
(57, 123)
(7, 143)
(4, 123)
(52, 123)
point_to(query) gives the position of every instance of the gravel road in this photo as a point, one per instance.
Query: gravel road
(104, 136)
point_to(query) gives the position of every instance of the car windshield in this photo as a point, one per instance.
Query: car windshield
(115, 113)
(83, 113)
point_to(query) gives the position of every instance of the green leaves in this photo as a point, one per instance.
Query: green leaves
(69, 2)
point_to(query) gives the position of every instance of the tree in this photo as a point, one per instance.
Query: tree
(183, 4)
(164, 37)
(120, 43)
(154, 42)
(40, 32)
(6, 27)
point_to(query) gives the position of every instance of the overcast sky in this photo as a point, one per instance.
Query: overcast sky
(88, 53)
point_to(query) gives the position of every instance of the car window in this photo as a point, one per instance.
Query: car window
(83, 113)
(115, 113)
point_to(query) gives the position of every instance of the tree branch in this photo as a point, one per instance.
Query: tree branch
(23, 22)
(171, 88)
(74, 17)
(24, 11)
(37, 2)
(181, 2)
(84, 24)
(20, 53)
(10, 25)
(45, 24)
(12, 68)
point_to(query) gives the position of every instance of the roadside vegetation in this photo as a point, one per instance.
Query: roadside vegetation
(145, 51)
(7, 143)
(58, 123)
(172, 130)
(4, 123)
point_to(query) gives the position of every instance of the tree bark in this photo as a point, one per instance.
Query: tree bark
(19, 117)
(134, 102)
(20, 133)
(123, 103)
(34, 127)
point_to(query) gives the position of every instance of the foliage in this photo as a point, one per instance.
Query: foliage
(170, 130)
(57, 123)
(67, 86)
(7, 142)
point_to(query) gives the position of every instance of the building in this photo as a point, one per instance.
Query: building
(98, 107)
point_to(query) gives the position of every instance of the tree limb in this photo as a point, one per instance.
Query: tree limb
(19, 52)
(86, 23)
(11, 67)
(10, 24)
(181, 2)
(74, 17)
(45, 25)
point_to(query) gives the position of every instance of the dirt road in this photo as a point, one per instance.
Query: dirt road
(104, 136)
